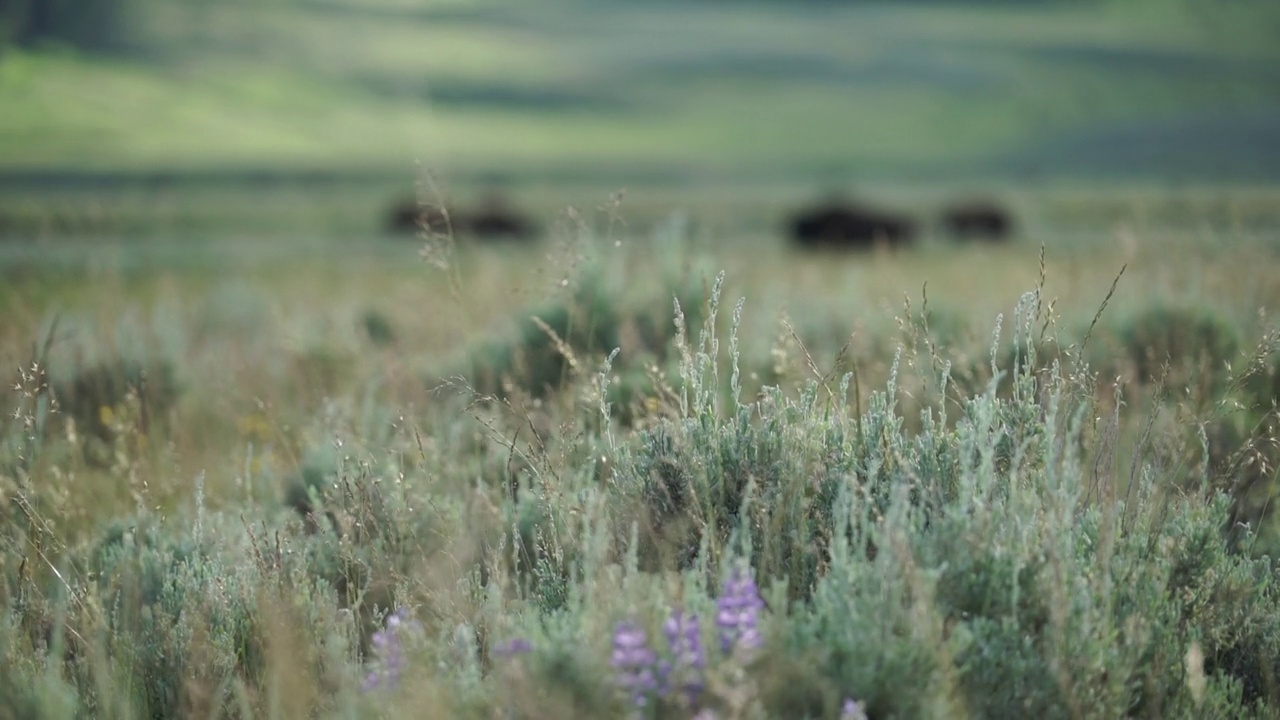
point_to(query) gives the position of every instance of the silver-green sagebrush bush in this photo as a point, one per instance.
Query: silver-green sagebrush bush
(806, 552)
(561, 339)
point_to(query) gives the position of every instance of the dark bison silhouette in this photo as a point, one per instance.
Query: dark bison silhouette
(492, 219)
(839, 224)
(410, 217)
(979, 220)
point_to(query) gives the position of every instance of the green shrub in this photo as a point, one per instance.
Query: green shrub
(540, 357)
(1262, 388)
(92, 395)
(184, 620)
(773, 469)
(1196, 343)
(564, 340)
(319, 370)
(918, 569)
(114, 399)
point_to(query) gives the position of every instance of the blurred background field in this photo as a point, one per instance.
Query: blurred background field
(669, 89)
(264, 114)
(189, 137)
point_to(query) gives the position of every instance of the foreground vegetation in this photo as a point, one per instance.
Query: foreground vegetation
(364, 487)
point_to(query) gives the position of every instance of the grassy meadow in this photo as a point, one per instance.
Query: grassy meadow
(259, 459)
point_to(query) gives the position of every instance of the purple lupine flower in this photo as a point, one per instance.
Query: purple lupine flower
(852, 710)
(738, 612)
(685, 641)
(388, 654)
(634, 662)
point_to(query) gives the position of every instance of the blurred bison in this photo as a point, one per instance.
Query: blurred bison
(983, 220)
(845, 225)
(493, 219)
(408, 216)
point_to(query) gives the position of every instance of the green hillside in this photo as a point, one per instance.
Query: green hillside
(797, 90)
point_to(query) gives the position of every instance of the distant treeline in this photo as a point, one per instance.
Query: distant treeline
(92, 25)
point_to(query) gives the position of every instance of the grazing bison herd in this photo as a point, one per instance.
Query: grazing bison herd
(832, 224)
(493, 218)
(842, 224)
